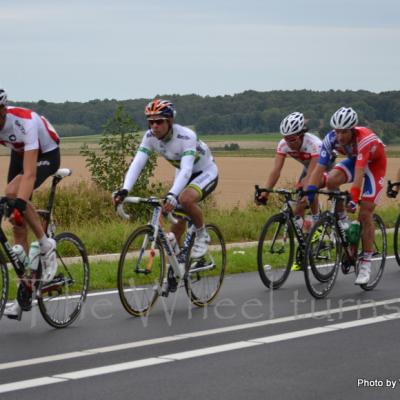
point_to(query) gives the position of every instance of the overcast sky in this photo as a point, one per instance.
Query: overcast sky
(79, 50)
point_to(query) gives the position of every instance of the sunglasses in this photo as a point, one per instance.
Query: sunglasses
(156, 121)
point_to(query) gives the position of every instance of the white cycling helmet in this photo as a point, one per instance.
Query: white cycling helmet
(292, 124)
(3, 97)
(344, 118)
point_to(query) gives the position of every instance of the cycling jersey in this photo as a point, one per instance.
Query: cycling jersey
(309, 149)
(181, 148)
(366, 147)
(25, 130)
(365, 151)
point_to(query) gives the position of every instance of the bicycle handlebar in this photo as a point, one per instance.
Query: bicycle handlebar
(152, 201)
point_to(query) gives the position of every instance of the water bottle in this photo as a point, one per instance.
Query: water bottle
(20, 253)
(34, 255)
(173, 242)
(353, 232)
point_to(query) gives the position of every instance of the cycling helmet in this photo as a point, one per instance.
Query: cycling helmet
(292, 124)
(3, 97)
(160, 108)
(344, 118)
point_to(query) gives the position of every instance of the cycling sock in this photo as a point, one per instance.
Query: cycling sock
(367, 255)
(44, 244)
(342, 215)
(200, 231)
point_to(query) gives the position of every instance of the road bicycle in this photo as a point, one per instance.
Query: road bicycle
(329, 248)
(148, 266)
(276, 249)
(60, 301)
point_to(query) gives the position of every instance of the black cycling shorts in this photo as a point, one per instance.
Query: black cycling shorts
(47, 165)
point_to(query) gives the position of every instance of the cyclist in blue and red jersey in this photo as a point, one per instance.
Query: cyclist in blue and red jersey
(364, 166)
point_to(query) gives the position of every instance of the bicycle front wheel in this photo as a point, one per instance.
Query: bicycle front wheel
(275, 251)
(379, 255)
(3, 284)
(60, 301)
(141, 271)
(322, 257)
(205, 275)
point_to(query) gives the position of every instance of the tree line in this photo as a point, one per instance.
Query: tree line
(247, 112)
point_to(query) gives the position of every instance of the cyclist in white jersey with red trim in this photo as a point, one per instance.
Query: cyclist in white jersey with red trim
(35, 155)
(196, 172)
(304, 147)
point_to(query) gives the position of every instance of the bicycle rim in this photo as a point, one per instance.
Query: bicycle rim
(379, 255)
(275, 252)
(3, 285)
(61, 300)
(322, 258)
(141, 271)
(205, 275)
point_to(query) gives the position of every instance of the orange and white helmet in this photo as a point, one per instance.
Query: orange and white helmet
(160, 108)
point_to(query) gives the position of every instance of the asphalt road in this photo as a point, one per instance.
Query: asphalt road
(251, 343)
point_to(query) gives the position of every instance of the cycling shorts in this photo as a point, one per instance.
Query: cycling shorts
(374, 177)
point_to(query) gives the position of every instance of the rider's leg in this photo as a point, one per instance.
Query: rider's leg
(336, 178)
(365, 217)
(189, 199)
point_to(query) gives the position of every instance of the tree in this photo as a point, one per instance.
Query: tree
(119, 141)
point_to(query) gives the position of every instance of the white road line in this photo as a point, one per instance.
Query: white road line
(168, 358)
(192, 335)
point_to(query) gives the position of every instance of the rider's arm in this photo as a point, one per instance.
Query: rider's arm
(311, 167)
(184, 173)
(27, 184)
(136, 167)
(276, 171)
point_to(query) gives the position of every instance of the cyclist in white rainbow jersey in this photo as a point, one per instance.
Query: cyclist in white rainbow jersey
(196, 172)
(304, 147)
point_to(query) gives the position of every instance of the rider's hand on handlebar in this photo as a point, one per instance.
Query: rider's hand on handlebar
(170, 202)
(261, 199)
(351, 206)
(392, 193)
(119, 196)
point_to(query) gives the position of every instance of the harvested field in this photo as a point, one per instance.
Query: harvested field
(238, 175)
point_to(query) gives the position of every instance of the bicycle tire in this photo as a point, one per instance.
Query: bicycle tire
(379, 256)
(323, 244)
(274, 271)
(3, 284)
(132, 282)
(61, 301)
(206, 274)
(396, 238)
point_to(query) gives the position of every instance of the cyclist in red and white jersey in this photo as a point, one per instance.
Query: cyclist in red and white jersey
(304, 147)
(365, 167)
(35, 155)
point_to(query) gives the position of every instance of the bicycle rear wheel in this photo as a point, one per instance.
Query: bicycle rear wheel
(322, 257)
(60, 301)
(3, 284)
(141, 271)
(275, 252)
(396, 240)
(205, 275)
(379, 254)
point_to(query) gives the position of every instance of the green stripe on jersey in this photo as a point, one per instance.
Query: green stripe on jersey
(145, 150)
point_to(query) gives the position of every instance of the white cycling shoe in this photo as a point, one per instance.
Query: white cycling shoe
(49, 262)
(364, 273)
(200, 245)
(13, 311)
